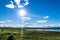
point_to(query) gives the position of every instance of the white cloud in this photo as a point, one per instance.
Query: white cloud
(45, 17)
(18, 4)
(58, 25)
(10, 5)
(27, 18)
(26, 3)
(2, 22)
(8, 20)
(42, 21)
(50, 25)
(36, 25)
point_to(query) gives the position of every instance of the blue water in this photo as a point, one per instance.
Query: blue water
(53, 30)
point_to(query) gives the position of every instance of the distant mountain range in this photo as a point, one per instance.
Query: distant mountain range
(34, 27)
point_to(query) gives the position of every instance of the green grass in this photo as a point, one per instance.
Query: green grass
(41, 35)
(28, 35)
(5, 33)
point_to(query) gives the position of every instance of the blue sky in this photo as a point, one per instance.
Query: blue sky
(41, 11)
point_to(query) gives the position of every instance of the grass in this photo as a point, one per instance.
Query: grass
(5, 33)
(28, 35)
(41, 35)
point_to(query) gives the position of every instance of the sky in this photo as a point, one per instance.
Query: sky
(39, 12)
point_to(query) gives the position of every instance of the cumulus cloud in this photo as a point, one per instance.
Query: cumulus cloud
(42, 21)
(10, 5)
(26, 3)
(18, 4)
(45, 17)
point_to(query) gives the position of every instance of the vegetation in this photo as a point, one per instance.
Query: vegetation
(41, 35)
(15, 34)
(5, 34)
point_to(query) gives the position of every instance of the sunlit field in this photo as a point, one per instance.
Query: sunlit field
(15, 34)
(9, 34)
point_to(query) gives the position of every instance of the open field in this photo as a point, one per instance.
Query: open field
(6, 33)
(15, 34)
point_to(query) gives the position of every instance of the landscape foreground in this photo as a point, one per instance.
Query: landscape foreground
(15, 34)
